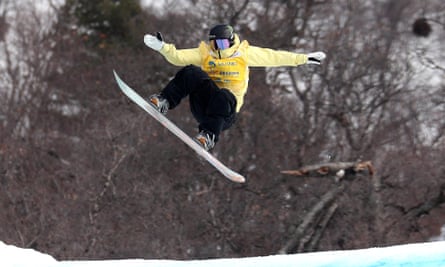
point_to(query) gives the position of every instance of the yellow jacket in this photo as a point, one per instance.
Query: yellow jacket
(229, 68)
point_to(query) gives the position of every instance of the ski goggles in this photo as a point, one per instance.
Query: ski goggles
(220, 44)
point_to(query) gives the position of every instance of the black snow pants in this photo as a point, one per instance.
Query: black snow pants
(212, 107)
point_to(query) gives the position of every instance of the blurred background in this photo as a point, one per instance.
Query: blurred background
(86, 174)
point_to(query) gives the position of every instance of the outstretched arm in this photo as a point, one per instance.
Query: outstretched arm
(266, 57)
(177, 57)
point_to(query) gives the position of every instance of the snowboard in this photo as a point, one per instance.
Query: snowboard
(163, 120)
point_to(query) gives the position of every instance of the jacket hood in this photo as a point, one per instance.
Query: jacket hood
(226, 52)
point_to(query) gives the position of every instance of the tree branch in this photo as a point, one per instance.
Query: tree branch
(333, 168)
(311, 216)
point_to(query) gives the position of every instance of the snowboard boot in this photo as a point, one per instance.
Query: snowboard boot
(205, 139)
(159, 103)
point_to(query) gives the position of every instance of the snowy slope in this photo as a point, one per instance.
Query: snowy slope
(413, 255)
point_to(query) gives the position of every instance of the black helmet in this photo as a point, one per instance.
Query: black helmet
(222, 31)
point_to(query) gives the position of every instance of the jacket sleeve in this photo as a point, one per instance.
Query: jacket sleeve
(181, 57)
(266, 57)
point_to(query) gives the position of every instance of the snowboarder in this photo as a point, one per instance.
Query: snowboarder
(215, 77)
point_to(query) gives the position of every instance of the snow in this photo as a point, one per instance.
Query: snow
(431, 254)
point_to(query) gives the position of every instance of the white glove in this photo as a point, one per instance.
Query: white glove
(315, 57)
(154, 42)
